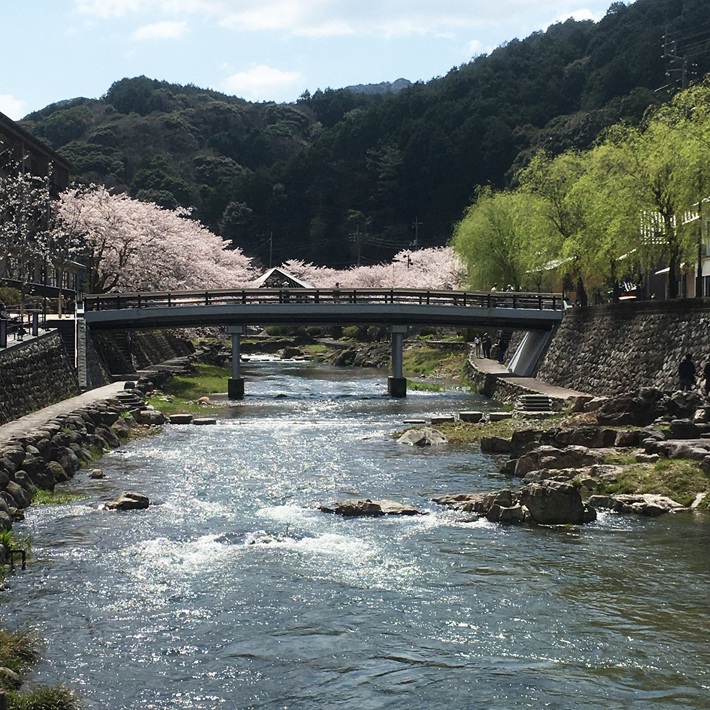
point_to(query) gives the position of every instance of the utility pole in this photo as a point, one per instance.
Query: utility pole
(670, 52)
(355, 237)
(271, 248)
(416, 224)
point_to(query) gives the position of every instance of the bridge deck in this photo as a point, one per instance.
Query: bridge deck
(320, 306)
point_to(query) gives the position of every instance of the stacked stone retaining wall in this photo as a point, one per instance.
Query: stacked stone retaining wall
(127, 352)
(608, 350)
(33, 375)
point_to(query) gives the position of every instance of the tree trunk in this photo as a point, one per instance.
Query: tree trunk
(581, 292)
(699, 277)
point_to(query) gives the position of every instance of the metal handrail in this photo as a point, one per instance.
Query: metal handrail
(336, 296)
(17, 326)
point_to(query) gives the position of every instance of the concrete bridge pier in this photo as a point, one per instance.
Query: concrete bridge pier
(235, 385)
(397, 384)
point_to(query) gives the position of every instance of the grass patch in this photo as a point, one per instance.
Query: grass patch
(45, 497)
(424, 386)
(468, 433)
(55, 697)
(10, 541)
(208, 380)
(679, 479)
(424, 361)
(318, 352)
(181, 391)
(619, 459)
(19, 650)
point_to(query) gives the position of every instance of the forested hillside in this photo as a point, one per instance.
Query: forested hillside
(340, 173)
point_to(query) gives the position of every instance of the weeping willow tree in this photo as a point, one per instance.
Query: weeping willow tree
(498, 239)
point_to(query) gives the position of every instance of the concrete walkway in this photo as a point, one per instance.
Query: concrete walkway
(493, 367)
(30, 422)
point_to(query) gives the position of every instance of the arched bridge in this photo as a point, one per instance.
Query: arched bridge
(537, 313)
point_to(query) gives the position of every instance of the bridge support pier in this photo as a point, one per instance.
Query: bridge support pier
(235, 385)
(397, 384)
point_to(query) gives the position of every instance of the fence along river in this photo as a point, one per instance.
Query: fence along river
(233, 591)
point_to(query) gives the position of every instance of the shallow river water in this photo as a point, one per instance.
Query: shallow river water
(233, 591)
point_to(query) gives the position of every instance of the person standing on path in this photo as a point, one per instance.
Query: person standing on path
(686, 373)
(487, 345)
(477, 343)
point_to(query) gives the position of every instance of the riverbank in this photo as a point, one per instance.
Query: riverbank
(608, 463)
(38, 452)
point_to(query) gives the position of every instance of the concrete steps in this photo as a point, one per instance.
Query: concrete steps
(535, 403)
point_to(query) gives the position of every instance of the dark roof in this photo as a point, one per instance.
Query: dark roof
(6, 123)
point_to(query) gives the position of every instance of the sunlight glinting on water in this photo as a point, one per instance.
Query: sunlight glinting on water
(234, 591)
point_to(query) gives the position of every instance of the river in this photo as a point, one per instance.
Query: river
(233, 591)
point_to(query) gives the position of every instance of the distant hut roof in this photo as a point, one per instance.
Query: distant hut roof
(280, 278)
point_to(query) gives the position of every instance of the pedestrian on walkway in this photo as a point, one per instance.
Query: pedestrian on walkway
(686, 373)
(487, 345)
(477, 343)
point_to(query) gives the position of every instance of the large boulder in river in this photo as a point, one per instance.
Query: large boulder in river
(370, 508)
(426, 436)
(495, 445)
(554, 503)
(128, 501)
(592, 437)
(683, 429)
(149, 416)
(551, 457)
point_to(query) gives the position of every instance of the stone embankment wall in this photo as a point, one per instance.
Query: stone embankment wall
(127, 352)
(54, 452)
(609, 350)
(34, 375)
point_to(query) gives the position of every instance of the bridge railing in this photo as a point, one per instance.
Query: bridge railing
(336, 296)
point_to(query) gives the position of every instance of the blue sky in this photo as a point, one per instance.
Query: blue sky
(270, 50)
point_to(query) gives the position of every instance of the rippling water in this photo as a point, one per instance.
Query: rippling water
(232, 591)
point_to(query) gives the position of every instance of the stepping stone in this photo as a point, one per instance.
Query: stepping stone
(443, 419)
(202, 421)
(498, 416)
(414, 421)
(473, 417)
(181, 418)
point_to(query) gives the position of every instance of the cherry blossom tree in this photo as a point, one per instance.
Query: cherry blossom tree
(137, 246)
(25, 221)
(435, 268)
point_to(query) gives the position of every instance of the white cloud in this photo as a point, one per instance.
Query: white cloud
(388, 18)
(12, 107)
(109, 8)
(259, 82)
(579, 15)
(476, 47)
(161, 30)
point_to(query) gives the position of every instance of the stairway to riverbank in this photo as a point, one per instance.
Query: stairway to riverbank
(494, 380)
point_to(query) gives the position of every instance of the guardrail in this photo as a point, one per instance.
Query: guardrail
(17, 326)
(339, 296)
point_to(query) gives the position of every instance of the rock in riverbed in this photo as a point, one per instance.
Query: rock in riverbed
(545, 503)
(648, 504)
(426, 436)
(370, 508)
(128, 501)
